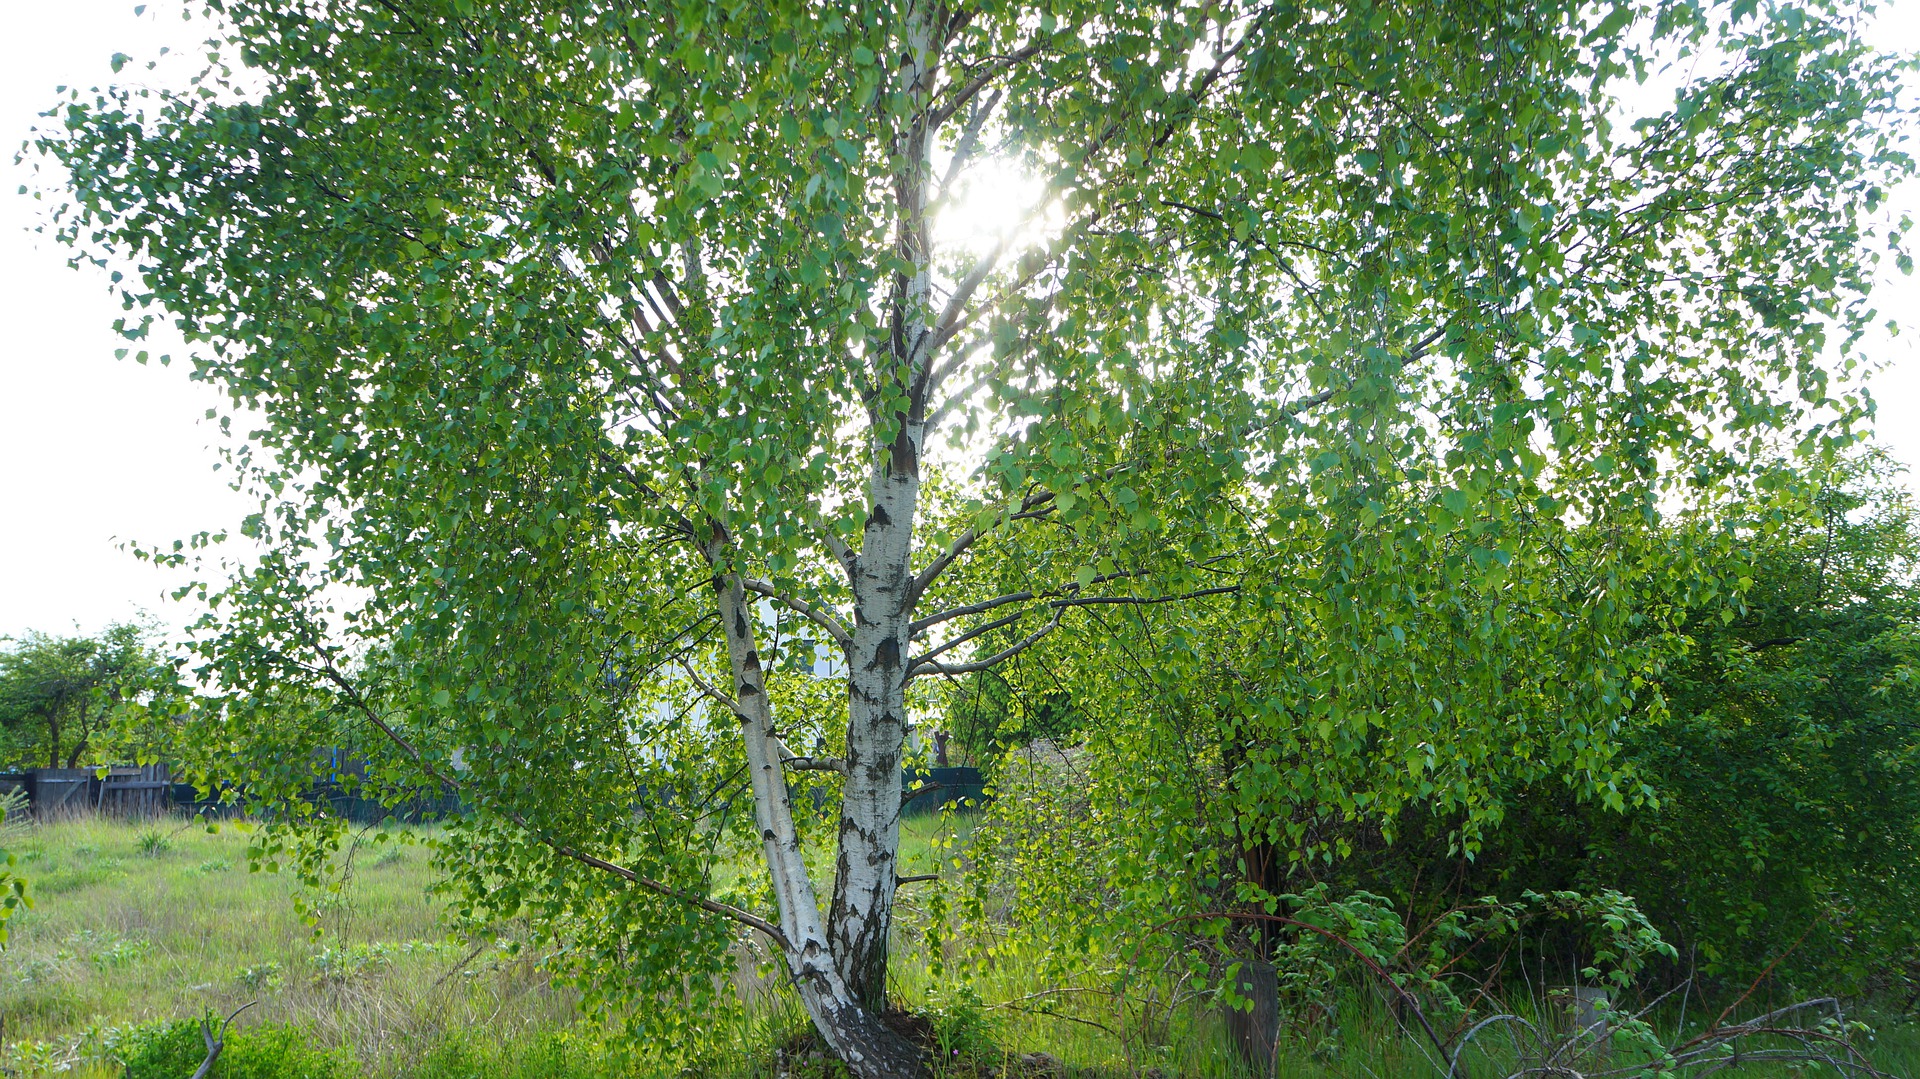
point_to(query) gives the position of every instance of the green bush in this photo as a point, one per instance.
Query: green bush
(266, 1051)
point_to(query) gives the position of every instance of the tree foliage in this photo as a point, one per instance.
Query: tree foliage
(615, 367)
(1784, 829)
(60, 697)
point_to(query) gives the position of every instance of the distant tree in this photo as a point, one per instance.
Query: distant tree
(58, 695)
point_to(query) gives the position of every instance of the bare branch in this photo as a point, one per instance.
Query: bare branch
(707, 688)
(1031, 639)
(752, 921)
(815, 613)
(963, 150)
(681, 524)
(973, 86)
(965, 540)
(815, 764)
(215, 1043)
(977, 631)
(1141, 601)
(920, 625)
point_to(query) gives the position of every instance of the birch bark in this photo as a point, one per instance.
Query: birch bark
(851, 1029)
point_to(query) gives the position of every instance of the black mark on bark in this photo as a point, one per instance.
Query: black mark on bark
(887, 656)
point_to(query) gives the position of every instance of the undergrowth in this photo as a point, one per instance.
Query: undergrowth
(134, 942)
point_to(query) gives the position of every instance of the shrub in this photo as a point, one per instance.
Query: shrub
(266, 1051)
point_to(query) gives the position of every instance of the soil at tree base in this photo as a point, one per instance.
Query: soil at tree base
(805, 1056)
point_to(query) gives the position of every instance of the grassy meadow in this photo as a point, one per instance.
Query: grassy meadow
(138, 926)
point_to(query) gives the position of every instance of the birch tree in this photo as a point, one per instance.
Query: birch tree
(617, 367)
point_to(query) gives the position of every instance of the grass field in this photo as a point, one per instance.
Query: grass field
(139, 925)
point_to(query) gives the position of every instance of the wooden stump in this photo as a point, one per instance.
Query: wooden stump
(1256, 1033)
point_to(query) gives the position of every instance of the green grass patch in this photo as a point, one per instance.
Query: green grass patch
(135, 940)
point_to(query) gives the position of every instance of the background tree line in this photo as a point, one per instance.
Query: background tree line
(61, 697)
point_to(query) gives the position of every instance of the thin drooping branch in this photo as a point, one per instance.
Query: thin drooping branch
(711, 906)
(359, 703)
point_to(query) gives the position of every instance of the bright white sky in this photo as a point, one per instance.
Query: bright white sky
(96, 451)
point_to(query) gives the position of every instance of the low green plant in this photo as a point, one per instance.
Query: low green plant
(264, 976)
(265, 1051)
(335, 966)
(560, 1054)
(153, 843)
(962, 1033)
(13, 815)
(121, 953)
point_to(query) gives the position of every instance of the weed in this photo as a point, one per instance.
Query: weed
(153, 843)
(336, 966)
(13, 816)
(121, 953)
(265, 976)
(212, 866)
(266, 1051)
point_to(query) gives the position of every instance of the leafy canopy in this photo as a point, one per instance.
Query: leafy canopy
(554, 313)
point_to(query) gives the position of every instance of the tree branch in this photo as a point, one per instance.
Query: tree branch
(706, 688)
(975, 632)
(818, 615)
(712, 906)
(965, 540)
(921, 625)
(1031, 639)
(973, 86)
(1141, 601)
(359, 702)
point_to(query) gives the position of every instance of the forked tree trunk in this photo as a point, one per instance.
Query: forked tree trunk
(844, 1019)
(840, 969)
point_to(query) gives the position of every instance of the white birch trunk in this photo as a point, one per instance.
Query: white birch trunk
(851, 1030)
(866, 872)
(840, 969)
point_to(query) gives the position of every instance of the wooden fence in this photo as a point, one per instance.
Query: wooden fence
(123, 791)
